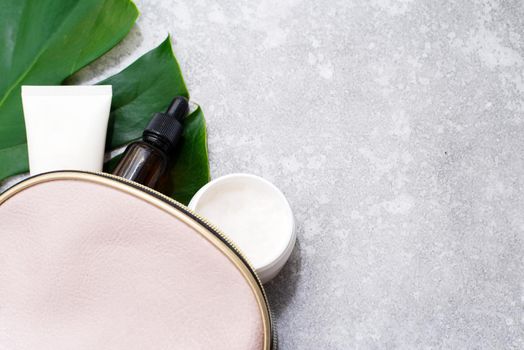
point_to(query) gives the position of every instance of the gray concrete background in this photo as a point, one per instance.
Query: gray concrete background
(395, 128)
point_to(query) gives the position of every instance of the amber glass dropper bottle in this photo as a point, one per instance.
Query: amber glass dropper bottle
(146, 160)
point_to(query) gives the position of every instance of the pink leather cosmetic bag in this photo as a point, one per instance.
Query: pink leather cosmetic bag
(92, 261)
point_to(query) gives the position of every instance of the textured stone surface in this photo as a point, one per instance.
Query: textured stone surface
(395, 128)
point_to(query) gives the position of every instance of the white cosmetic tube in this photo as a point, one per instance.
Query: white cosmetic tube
(66, 126)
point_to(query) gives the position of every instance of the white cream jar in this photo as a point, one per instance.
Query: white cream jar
(255, 215)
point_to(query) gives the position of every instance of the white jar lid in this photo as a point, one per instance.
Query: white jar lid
(255, 215)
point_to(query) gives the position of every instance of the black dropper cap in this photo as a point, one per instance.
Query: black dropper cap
(164, 129)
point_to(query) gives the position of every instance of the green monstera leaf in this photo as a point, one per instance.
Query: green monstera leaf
(191, 169)
(145, 87)
(44, 42)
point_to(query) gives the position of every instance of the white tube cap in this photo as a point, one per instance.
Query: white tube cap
(255, 215)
